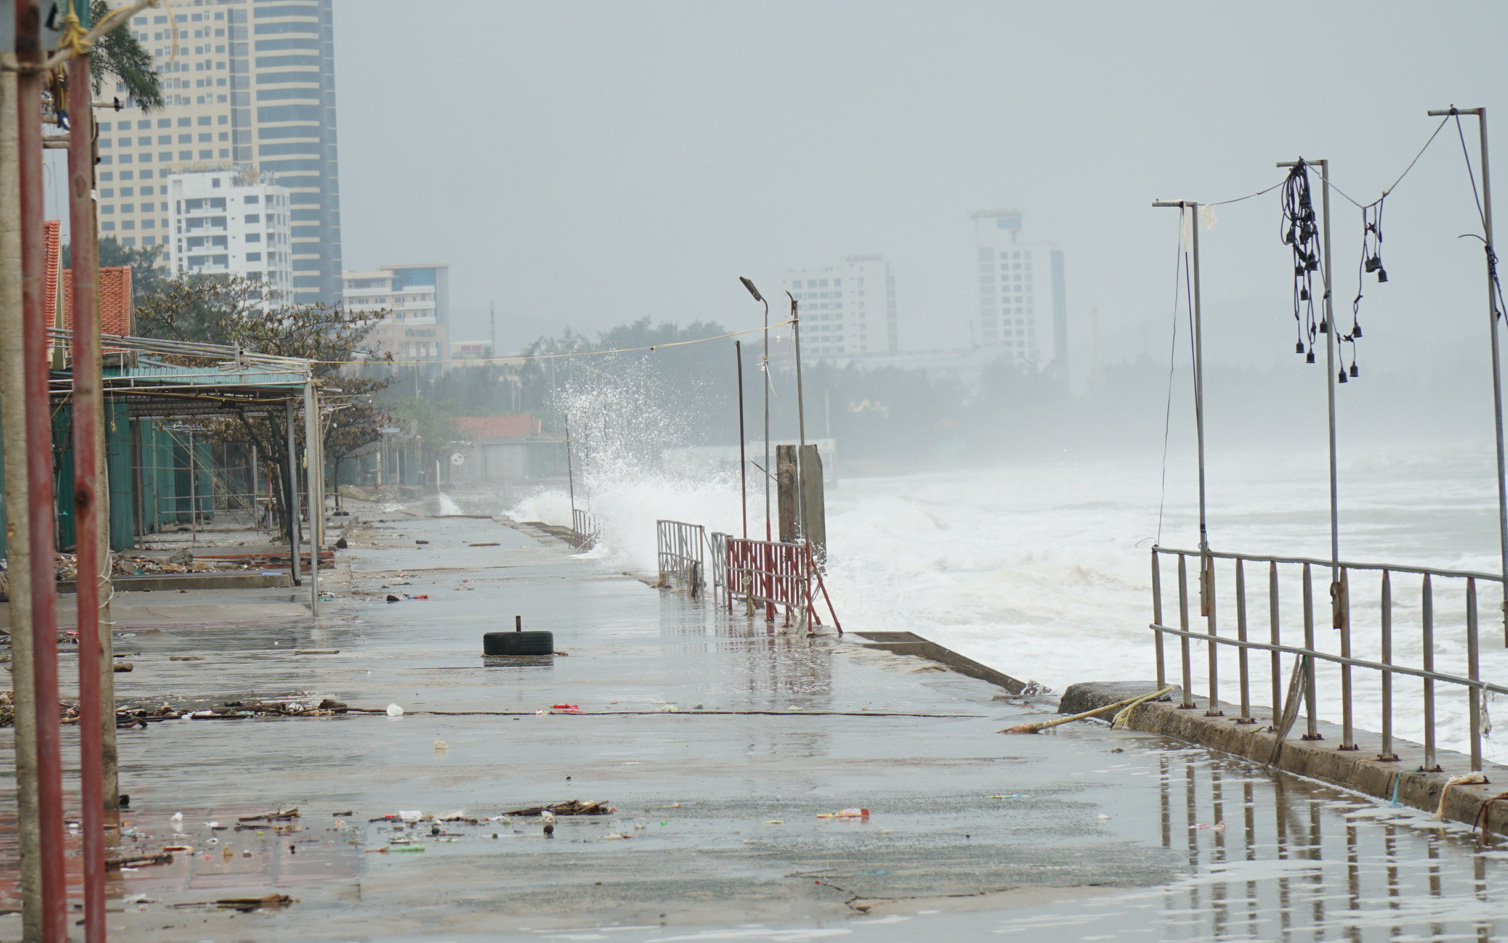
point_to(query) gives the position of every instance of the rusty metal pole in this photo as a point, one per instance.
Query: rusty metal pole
(87, 414)
(44, 626)
(743, 463)
(18, 511)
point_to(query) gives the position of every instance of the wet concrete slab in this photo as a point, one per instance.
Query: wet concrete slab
(725, 746)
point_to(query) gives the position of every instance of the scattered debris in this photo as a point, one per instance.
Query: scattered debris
(572, 807)
(393, 710)
(281, 816)
(124, 666)
(139, 861)
(243, 905)
(185, 658)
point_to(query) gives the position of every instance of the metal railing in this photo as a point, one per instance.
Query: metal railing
(719, 543)
(679, 550)
(774, 575)
(584, 529)
(1326, 661)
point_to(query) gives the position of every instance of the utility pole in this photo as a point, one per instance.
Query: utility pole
(39, 483)
(1492, 321)
(88, 417)
(18, 505)
(800, 424)
(1190, 211)
(743, 464)
(1328, 329)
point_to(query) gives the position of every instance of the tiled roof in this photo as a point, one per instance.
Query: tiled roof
(51, 235)
(498, 427)
(114, 300)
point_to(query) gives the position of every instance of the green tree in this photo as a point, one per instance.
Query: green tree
(119, 56)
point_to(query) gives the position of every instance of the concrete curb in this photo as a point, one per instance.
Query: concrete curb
(1403, 779)
(168, 582)
(909, 643)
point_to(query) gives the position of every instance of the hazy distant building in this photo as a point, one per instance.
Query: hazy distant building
(1022, 308)
(251, 86)
(848, 309)
(228, 222)
(417, 299)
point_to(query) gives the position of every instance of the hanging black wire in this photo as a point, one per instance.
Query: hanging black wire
(1370, 263)
(1496, 298)
(1301, 232)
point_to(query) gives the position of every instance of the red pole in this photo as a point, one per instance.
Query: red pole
(39, 479)
(86, 421)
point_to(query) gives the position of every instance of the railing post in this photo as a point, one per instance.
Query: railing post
(1311, 721)
(1473, 672)
(1427, 620)
(1213, 709)
(1343, 617)
(1183, 640)
(1276, 637)
(1241, 653)
(1162, 671)
(1387, 754)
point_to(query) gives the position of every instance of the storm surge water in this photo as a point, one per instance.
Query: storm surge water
(1041, 569)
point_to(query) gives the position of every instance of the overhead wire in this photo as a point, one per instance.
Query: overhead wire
(1167, 420)
(1496, 298)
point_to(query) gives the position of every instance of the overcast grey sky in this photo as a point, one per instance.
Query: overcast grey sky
(586, 164)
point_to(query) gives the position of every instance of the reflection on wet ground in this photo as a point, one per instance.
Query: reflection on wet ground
(1275, 858)
(720, 741)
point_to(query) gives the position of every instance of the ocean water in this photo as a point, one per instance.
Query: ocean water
(1042, 569)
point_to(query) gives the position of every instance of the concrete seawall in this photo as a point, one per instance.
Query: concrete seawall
(1403, 779)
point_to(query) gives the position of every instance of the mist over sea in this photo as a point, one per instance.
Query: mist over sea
(1042, 568)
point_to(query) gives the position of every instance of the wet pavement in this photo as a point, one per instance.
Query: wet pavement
(727, 748)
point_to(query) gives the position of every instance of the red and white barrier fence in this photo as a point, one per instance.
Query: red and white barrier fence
(776, 575)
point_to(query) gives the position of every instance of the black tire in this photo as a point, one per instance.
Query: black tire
(518, 643)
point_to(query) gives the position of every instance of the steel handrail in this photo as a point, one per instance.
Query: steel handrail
(1338, 659)
(1344, 564)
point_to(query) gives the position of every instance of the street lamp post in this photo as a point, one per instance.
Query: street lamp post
(764, 367)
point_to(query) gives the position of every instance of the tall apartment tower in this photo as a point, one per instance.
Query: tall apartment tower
(848, 309)
(252, 89)
(1023, 310)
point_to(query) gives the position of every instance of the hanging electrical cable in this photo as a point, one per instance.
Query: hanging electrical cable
(1492, 257)
(1369, 263)
(1301, 232)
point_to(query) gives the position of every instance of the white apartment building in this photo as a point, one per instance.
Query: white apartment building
(231, 222)
(251, 84)
(847, 310)
(415, 299)
(1022, 308)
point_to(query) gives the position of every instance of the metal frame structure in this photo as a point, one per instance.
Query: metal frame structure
(1339, 654)
(680, 554)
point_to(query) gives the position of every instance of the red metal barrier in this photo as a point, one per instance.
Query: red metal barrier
(774, 575)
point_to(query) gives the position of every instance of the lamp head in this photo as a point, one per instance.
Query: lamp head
(752, 290)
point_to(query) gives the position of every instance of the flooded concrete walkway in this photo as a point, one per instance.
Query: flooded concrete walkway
(725, 746)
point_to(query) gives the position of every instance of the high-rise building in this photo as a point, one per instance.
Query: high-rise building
(251, 87)
(228, 222)
(848, 309)
(416, 299)
(1022, 306)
